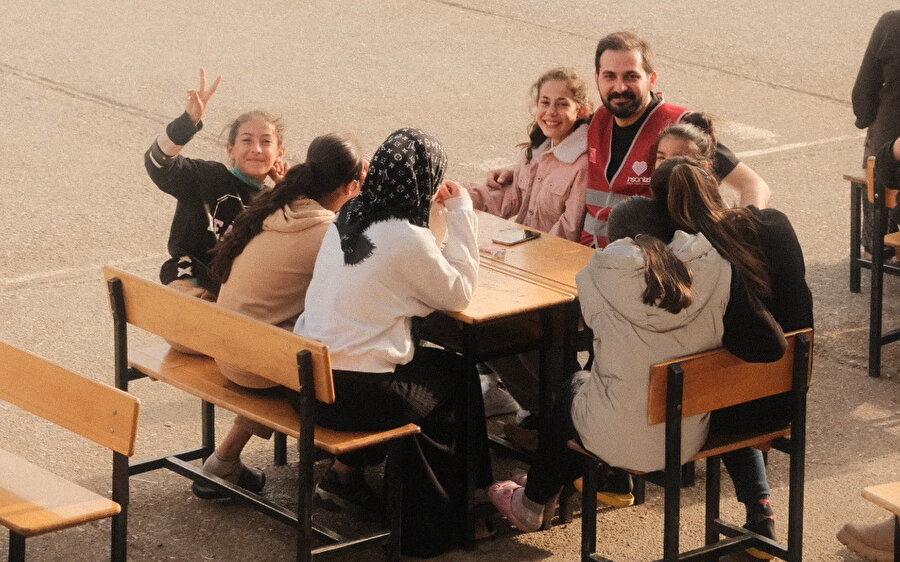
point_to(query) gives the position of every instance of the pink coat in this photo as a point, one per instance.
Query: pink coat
(546, 193)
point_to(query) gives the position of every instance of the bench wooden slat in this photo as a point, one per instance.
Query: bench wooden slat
(200, 376)
(34, 501)
(101, 413)
(886, 496)
(263, 349)
(703, 391)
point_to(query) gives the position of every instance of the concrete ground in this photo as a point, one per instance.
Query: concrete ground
(85, 87)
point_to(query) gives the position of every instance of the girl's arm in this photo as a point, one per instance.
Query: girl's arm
(751, 331)
(447, 278)
(571, 222)
(869, 80)
(170, 172)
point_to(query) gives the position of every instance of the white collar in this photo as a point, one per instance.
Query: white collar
(569, 149)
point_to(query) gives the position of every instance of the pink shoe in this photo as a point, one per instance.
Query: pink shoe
(501, 495)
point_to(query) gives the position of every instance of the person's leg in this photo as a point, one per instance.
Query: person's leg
(553, 465)
(225, 462)
(519, 374)
(751, 486)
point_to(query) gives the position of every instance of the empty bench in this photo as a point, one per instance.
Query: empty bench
(701, 383)
(298, 363)
(34, 501)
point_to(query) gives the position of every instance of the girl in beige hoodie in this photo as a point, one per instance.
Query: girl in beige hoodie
(266, 262)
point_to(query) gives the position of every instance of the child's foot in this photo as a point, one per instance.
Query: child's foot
(509, 499)
(234, 471)
(761, 520)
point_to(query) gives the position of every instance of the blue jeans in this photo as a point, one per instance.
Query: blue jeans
(748, 472)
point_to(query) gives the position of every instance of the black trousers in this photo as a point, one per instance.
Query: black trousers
(426, 391)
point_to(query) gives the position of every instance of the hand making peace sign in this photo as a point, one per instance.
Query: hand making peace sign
(196, 99)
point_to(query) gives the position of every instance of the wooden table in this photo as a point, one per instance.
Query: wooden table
(508, 314)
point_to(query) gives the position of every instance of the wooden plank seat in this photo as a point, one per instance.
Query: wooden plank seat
(298, 363)
(701, 383)
(199, 375)
(34, 501)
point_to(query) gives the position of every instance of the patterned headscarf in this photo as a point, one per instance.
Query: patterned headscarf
(403, 176)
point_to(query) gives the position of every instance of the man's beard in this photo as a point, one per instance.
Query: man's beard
(622, 111)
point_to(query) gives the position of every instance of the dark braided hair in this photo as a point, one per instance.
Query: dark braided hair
(332, 161)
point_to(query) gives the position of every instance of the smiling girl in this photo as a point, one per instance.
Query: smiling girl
(545, 189)
(210, 194)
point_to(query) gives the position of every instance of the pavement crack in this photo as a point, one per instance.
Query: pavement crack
(79, 94)
(768, 83)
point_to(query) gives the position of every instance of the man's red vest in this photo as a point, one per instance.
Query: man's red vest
(632, 177)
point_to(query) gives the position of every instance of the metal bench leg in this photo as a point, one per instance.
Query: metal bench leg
(16, 547)
(208, 427)
(856, 191)
(121, 495)
(280, 449)
(589, 510)
(713, 497)
(393, 476)
(877, 285)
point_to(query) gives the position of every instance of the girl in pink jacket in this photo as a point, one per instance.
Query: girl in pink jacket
(545, 190)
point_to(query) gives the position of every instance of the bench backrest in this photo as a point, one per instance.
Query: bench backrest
(890, 195)
(102, 413)
(236, 339)
(717, 379)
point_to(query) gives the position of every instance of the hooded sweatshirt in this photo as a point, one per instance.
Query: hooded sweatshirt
(268, 280)
(610, 409)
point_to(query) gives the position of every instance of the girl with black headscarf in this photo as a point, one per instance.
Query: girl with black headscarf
(379, 266)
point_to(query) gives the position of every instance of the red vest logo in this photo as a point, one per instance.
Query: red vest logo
(639, 167)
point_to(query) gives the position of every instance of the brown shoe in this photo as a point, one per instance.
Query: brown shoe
(873, 542)
(526, 439)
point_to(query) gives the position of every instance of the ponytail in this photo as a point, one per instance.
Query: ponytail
(668, 280)
(691, 195)
(331, 161)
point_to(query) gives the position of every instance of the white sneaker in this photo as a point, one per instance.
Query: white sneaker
(497, 401)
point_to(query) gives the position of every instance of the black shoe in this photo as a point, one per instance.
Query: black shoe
(251, 479)
(761, 520)
(355, 495)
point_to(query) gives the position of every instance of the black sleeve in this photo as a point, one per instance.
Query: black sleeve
(751, 331)
(869, 79)
(724, 162)
(176, 175)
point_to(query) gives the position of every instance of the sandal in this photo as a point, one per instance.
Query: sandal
(501, 495)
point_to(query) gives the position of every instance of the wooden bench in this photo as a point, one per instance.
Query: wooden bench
(290, 360)
(858, 191)
(887, 496)
(33, 501)
(702, 383)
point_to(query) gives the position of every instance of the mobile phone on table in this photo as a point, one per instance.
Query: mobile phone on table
(513, 236)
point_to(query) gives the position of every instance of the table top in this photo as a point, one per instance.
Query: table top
(549, 260)
(500, 294)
